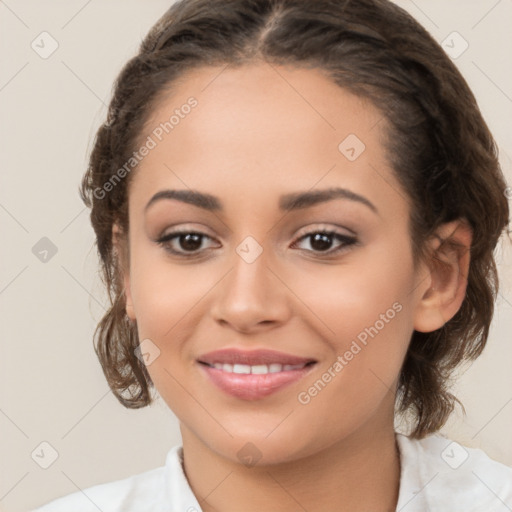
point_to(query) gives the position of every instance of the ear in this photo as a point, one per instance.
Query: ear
(444, 292)
(120, 244)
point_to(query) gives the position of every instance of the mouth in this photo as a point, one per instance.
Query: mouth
(256, 369)
(252, 375)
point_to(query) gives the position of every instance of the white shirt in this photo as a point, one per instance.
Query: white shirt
(437, 475)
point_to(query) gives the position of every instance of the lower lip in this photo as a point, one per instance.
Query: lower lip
(249, 386)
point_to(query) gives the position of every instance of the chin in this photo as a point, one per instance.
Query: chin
(266, 445)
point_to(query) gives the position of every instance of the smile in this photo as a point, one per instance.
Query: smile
(258, 369)
(253, 375)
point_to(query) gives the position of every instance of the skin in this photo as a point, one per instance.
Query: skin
(258, 132)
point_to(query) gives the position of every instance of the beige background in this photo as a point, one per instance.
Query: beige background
(52, 388)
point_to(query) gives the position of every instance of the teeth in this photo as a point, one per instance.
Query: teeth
(241, 368)
(288, 367)
(257, 369)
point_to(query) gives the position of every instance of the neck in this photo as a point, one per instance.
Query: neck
(358, 473)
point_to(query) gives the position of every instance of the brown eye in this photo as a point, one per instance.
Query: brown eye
(322, 241)
(183, 242)
(191, 243)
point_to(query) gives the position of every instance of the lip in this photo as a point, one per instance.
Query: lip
(252, 357)
(253, 386)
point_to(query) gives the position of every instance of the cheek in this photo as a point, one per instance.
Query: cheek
(358, 380)
(367, 309)
(366, 290)
(165, 293)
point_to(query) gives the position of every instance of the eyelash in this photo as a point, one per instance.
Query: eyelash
(346, 240)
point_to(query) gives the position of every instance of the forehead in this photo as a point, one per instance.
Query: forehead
(262, 127)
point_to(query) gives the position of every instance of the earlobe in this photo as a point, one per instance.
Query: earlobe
(119, 244)
(449, 267)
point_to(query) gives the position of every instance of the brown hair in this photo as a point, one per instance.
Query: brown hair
(438, 144)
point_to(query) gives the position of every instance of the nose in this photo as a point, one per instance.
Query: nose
(252, 296)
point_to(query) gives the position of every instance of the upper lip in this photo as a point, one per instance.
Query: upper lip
(252, 357)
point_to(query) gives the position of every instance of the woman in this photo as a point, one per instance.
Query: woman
(292, 204)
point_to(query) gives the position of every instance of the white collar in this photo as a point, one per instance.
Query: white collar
(436, 475)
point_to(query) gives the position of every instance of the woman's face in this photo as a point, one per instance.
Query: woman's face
(332, 313)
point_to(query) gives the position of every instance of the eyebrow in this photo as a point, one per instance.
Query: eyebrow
(287, 202)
